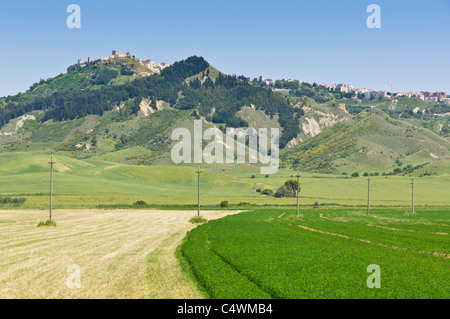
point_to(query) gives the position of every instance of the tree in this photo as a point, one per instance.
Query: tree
(289, 189)
(355, 174)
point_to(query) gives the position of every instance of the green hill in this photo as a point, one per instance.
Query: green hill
(371, 142)
(115, 71)
(110, 111)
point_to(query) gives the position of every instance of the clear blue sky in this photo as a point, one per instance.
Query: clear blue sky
(315, 41)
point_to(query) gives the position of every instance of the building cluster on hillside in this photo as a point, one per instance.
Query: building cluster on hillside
(150, 64)
(367, 93)
(355, 93)
(262, 79)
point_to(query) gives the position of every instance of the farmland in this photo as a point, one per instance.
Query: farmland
(322, 254)
(88, 183)
(263, 253)
(121, 254)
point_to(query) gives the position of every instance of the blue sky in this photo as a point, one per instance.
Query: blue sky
(314, 41)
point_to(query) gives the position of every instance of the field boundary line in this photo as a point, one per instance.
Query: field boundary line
(390, 228)
(382, 227)
(373, 243)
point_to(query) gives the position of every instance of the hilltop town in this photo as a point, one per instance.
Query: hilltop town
(345, 90)
(149, 64)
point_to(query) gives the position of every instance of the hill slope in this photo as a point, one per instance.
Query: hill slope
(370, 142)
(108, 111)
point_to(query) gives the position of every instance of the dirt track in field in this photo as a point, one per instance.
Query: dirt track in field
(120, 253)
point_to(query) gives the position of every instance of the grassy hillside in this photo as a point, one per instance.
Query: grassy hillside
(114, 136)
(93, 181)
(371, 142)
(84, 78)
(103, 112)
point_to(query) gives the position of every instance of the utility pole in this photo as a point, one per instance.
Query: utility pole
(298, 188)
(198, 171)
(368, 195)
(51, 162)
(412, 195)
(391, 85)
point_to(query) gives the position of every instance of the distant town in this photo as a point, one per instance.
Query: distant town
(150, 64)
(348, 89)
(355, 93)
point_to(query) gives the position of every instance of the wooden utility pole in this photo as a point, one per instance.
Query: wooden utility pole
(198, 171)
(51, 162)
(298, 188)
(412, 195)
(368, 195)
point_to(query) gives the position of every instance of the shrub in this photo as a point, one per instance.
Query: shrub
(140, 203)
(10, 200)
(244, 204)
(49, 222)
(267, 192)
(197, 220)
(224, 204)
(355, 174)
(104, 77)
(253, 176)
(366, 174)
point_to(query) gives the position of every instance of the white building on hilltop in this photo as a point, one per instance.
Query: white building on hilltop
(117, 54)
(164, 65)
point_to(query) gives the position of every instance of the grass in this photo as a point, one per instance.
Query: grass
(121, 254)
(323, 254)
(88, 183)
(197, 220)
(49, 222)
